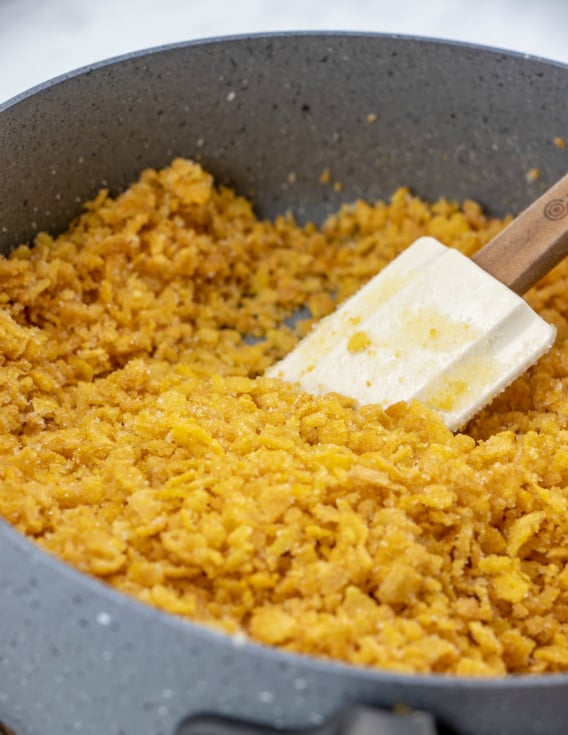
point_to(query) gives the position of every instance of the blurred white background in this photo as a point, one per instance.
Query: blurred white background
(43, 38)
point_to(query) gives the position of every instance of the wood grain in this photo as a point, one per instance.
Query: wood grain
(532, 244)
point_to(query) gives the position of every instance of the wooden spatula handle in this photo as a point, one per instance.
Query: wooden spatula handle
(532, 244)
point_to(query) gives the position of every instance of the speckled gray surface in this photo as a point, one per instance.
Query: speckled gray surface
(450, 120)
(66, 34)
(267, 115)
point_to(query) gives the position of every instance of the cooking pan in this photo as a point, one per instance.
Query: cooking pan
(452, 120)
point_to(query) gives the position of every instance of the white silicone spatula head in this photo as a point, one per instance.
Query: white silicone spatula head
(437, 326)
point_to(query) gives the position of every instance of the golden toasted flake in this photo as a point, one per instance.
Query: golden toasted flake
(140, 443)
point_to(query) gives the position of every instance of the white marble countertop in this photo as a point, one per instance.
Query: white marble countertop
(40, 39)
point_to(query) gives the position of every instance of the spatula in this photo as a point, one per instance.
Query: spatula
(437, 326)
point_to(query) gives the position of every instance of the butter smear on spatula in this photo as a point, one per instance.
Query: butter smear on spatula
(437, 326)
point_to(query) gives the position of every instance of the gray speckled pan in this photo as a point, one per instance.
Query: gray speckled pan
(454, 120)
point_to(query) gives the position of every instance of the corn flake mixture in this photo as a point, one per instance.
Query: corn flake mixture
(140, 443)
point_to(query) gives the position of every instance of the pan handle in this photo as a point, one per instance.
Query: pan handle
(358, 720)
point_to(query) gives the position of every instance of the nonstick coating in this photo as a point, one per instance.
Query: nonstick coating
(453, 120)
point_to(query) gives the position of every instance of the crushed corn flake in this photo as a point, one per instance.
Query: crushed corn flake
(358, 342)
(140, 443)
(533, 174)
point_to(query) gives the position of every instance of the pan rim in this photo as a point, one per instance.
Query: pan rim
(269, 35)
